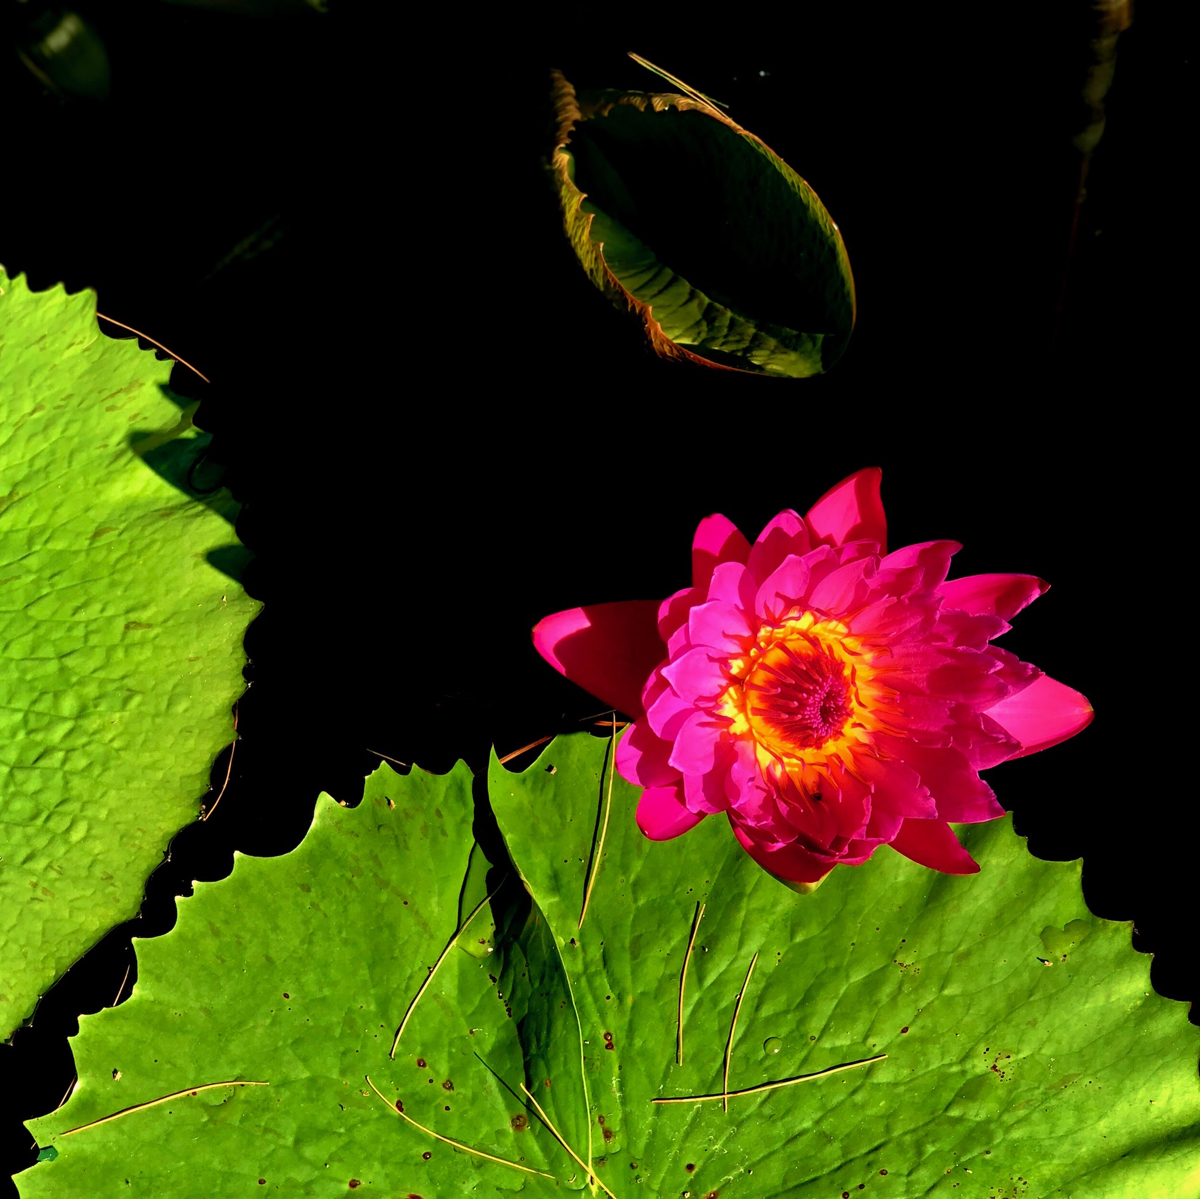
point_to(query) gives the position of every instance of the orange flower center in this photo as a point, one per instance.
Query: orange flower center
(806, 692)
(798, 695)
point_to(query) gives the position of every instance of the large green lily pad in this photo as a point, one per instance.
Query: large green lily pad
(1026, 1052)
(1011, 1070)
(121, 639)
(296, 972)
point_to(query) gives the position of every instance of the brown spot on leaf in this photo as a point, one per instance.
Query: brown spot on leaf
(353, 1183)
(447, 1085)
(426, 1156)
(420, 1063)
(519, 1122)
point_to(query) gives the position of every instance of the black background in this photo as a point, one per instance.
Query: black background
(441, 433)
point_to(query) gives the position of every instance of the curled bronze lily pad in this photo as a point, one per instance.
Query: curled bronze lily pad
(698, 228)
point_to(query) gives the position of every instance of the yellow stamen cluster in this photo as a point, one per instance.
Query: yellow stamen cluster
(806, 692)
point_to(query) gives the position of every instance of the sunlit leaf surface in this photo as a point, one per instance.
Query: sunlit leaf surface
(121, 632)
(1026, 1051)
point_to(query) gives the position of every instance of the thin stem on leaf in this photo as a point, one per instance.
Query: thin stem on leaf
(458, 932)
(592, 1179)
(679, 83)
(228, 769)
(138, 1107)
(732, 1027)
(151, 340)
(516, 753)
(771, 1086)
(386, 757)
(398, 1109)
(687, 957)
(124, 980)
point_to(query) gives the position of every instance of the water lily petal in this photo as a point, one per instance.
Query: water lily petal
(783, 587)
(821, 822)
(747, 792)
(786, 534)
(673, 611)
(992, 595)
(697, 675)
(985, 742)
(851, 509)
(932, 843)
(844, 588)
(643, 757)
(943, 672)
(661, 814)
(896, 788)
(719, 625)
(680, 642)
(957, 790)
(790, 862)
(881, 828)
(1043, 714)
(608, 649)
(695, 748)
(705, 793)
(665, 711)
(733, 584)
(1015, 674)
(974, 631)
(932, 558)
(849, 799)
(890, 616)
(717, 540)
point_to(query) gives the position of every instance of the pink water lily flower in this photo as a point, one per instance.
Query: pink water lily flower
(828, 697)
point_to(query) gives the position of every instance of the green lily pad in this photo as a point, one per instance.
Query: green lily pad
(294, 974)
(696, 226)
(1002, 1077)
(122, 640)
